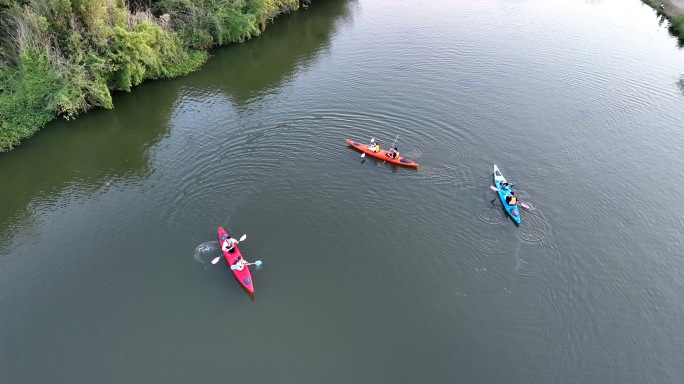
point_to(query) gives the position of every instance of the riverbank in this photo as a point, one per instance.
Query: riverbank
(60, 59)
(673, 12)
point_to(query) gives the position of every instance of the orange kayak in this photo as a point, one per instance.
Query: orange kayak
(382, 155)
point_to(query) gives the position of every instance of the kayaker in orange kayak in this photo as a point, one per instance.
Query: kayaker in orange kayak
(373, 149)
(374, 146)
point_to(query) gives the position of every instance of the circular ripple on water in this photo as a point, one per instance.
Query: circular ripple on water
(535, 229)
(413, 154)
(483, 238)
(531, 235)
(528, 258)
(481, 140)
(523, 268)
(490, 215)
(464, 173)
(434, 175)
(469, 267)
(454, 151)
(572, 153)
(206, 252)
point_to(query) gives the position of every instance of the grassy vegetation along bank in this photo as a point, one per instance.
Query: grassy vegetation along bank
(674, 12)
(63, 57)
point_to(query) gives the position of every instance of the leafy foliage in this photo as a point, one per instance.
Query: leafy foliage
(63, 57)
(25, 96)
(205, 23)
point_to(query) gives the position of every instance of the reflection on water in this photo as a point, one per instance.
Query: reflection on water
(98, 148)
(84, 155)
(260, 66)
(680, 84)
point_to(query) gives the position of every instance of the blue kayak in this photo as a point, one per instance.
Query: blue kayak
(503, 191)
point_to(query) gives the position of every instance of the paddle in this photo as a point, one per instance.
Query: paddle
(236, 266)
(218, 258)
(392, 146)
(363, 155)
(524, 205)
(509, 184)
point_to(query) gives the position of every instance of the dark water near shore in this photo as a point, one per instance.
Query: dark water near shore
(372, 273)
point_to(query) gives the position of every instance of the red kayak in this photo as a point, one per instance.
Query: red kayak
(382, 155)
(242, 275)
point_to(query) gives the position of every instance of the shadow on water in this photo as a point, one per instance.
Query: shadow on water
(292, 42)
(106, 145)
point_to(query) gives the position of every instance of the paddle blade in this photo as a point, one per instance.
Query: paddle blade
(493, 188)
(257, 263)
(372, 139)
(243, 237)
(216, 260)
(512, 183)
(363, 155)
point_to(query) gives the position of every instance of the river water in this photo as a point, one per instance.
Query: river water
(371, 273)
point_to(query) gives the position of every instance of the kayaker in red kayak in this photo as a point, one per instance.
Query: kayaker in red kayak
(240, 263)
(393, 153)
(229, 244)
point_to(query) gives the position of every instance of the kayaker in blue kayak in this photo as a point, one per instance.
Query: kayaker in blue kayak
(505, 185)
(511, 199)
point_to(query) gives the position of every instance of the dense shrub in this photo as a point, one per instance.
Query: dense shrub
(63, 57)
